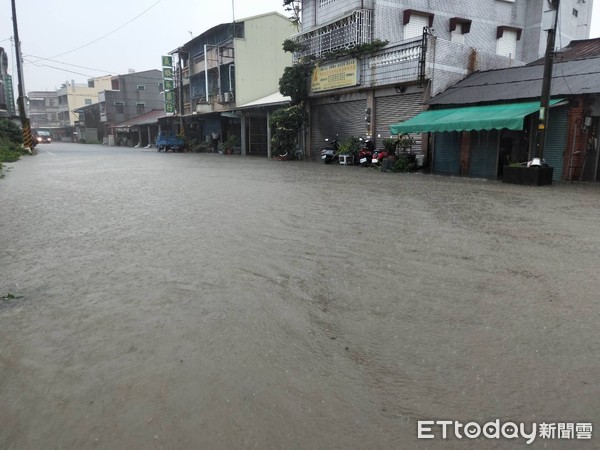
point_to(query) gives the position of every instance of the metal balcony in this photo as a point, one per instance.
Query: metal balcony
(351, 30)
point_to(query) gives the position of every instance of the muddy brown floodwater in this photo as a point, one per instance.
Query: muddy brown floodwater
(192, 301)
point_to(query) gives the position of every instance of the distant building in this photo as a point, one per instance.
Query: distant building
(43, 109)
(72, 96)
(130, 95)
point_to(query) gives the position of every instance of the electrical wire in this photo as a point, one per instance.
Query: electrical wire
(110, 32)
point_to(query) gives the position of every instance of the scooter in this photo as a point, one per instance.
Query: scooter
(330, 154)
(365, 154)
(378, 156)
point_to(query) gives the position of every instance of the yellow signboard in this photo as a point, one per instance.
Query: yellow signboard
(335, 75)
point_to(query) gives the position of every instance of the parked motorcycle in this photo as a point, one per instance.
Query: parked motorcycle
(365, 154)
(378, 156)
(330, 153)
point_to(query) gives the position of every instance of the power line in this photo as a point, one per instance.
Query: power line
(40, 58)
(110, 32)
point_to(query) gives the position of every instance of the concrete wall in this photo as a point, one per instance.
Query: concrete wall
(259, 57)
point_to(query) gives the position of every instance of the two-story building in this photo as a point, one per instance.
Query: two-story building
(223, 74)
(431, 45)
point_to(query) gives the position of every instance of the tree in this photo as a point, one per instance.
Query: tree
(293, 7)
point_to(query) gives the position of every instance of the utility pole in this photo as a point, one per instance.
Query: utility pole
(546, 83)
(25, 124)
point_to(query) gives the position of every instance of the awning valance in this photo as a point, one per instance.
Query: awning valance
(467, 118)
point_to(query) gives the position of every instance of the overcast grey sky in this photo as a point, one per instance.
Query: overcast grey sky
(83, 39)
(128, 34)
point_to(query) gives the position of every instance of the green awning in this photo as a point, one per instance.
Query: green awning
(467, 118)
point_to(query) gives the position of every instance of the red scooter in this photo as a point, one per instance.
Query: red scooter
(378, 156)
(365, 154)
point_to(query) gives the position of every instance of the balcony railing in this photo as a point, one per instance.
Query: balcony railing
(397, 64)
(346, 32)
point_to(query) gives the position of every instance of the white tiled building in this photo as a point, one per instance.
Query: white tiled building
(431, 45)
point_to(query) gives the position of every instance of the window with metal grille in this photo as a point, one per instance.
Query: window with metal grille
(414, 22)
(325, 2)
(506, 42)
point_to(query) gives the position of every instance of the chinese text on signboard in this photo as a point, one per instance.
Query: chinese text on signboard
(335, 75)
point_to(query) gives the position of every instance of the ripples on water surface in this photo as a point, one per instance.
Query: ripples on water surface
(197, 301)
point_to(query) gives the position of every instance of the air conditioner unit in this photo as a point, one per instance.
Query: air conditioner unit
(228, 97)
(219, 98)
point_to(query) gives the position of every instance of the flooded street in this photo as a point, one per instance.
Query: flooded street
(194, 301)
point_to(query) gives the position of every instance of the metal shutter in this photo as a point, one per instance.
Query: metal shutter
(395, 109)
(346, 119)
(483, 162)
(556, 140)
(414, 28)
(446, 153)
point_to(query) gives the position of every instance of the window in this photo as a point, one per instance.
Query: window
(88, 101)
(458, 28)
(119, 107)
(141, 87)
(114, 84)
(90, 83)
(414, 22)
(506, 41)
(140, 108)
(325, 2)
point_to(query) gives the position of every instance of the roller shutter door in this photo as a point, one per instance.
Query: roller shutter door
(395, 109)
(346, 119)
(484, 154)
(446, 153)
(556, 140)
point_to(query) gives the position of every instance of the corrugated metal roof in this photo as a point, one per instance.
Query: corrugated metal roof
(149, 118)
(583, 48)
(270, 100)
(519, 83)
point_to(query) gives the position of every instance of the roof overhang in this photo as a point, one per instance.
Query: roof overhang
(470, 118)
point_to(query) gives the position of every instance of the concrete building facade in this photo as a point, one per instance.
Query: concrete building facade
(431, 44)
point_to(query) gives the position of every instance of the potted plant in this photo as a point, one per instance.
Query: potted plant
(348, 150)
(227, 145)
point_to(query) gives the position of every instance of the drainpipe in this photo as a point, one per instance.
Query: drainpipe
(231, 66)
(206, 71)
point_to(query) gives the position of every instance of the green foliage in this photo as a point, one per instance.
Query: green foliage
(402, 163)
(291, 46)
(294, 82)
(350, 146)
(10, 151)
(286, 124)
(389, 145)
(293, 7)
(11, 131)
(405, 142)
(229, 143)
(356, 51)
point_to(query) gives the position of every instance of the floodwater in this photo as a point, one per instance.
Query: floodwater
(195, 301)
